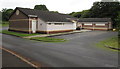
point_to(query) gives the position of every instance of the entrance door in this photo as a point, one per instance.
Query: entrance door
(33, 26)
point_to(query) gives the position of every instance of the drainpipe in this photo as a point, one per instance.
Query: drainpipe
(29, 26)
(93, 26)
(47, 32)
(81, 25)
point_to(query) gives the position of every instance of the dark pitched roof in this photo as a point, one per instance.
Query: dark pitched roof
(94, 20)
(46, 15)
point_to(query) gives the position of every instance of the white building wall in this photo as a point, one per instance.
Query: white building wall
(110, 25)
(93, 22)
(65, 26)
(41, 25)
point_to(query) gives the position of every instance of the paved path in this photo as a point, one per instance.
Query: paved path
(56, 34)
(79, 51)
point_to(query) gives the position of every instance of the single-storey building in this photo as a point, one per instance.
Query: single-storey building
(95, 23)
(32, 21)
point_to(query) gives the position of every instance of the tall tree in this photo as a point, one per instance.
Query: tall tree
(84, 13)
(71, 13)
(41, 7)
(6, 14)
(79, 14)
(76, 14)
(104, 9)
(117, 20)
(0, 17)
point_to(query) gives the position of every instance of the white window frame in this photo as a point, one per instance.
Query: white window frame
(88, 24)
(100, 24)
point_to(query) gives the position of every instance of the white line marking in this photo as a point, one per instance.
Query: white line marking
(23, 59)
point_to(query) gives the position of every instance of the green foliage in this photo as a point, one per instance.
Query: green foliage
(72, 13)
(104, 9)
(79, 14)
(54, 11)
(6, 14)
(0, 16)
(117, 20)
(111, 42)
(41, 7)
(84, 13)
(4, 23)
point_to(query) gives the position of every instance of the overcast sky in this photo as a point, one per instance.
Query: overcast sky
(62, 6)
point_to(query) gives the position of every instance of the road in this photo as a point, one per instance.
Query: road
(10, 60)
(78, 51)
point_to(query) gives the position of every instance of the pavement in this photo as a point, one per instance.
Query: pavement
(58, 34)
(79, 51)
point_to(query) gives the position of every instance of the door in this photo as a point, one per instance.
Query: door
(34, 26)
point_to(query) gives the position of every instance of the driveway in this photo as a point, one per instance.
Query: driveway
(78, 51)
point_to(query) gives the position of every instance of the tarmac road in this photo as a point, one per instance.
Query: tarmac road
(9, 60)
(78, 51)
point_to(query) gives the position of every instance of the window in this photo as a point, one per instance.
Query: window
(17, 12)
(58, 23)
(88, 24)
(49, 23)
(100, 24)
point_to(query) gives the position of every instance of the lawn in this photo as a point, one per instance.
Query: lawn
(4, 23)
(112, 42)
(48, 39)
(43, 39)
(18, 33)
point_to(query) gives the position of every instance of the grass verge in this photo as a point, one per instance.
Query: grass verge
(4, 24)
(43, 39)
(112, 42)
(48, 39)
(19, 34)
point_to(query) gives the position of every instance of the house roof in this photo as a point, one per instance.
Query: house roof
(94, 20)
(46, 15)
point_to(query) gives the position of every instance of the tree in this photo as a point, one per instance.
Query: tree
(71, 13)
(0, 17)
(79, 14)
(41, 7)
(104, 10)
(84, 13)
(6, 14)
(117, 20)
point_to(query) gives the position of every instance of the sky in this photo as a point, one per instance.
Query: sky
(62, 6)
